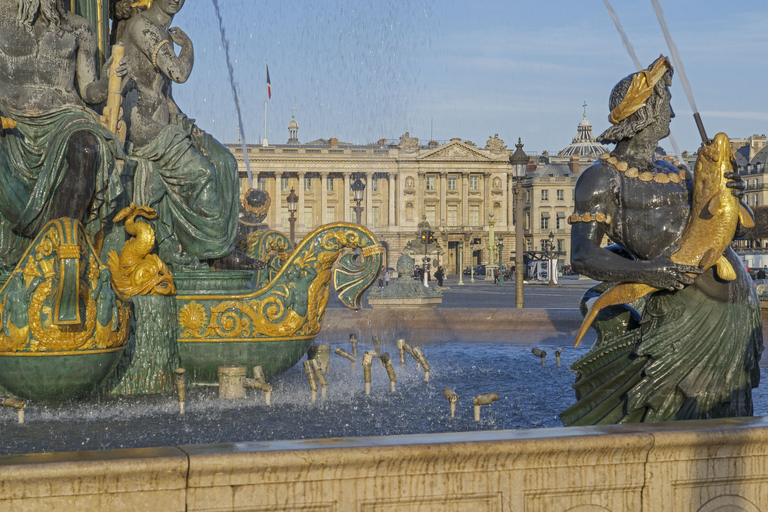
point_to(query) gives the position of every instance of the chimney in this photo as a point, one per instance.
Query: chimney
(382, 142)
(456, 138)
(433, 143)
(530, 166)
(574, 164)
(334, 142)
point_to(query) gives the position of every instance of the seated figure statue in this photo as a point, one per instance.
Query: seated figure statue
(187, 176)
(58, 160)
(692, 352)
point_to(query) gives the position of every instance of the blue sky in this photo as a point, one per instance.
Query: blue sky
(362, 70)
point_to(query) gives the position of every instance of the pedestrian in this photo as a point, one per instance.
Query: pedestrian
(439, 275)
(495, 275)
(386, 277)
(761, 273)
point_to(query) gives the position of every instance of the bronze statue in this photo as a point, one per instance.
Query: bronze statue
(184, 174)
(58, 160)
(693, 350)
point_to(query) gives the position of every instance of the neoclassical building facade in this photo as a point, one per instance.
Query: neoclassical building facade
(455, 185)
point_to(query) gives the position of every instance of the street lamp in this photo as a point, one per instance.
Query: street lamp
(501, 261)
(461, 263)
(519, 161)
(472, 261)
(357, 194)
(551, 253)
(293, 201)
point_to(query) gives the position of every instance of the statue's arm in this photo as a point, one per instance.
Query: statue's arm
(92, 90)
(597, 192)
(176, 68)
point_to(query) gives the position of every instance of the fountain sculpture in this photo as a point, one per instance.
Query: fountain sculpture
(88, 299)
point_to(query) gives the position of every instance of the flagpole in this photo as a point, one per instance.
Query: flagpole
(266, 89)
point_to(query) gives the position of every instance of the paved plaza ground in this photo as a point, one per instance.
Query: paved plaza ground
(484, 294)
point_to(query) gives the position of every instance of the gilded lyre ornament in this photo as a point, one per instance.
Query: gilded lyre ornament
(136, 271)
(37, 308)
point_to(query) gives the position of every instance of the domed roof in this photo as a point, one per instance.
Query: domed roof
(293, 124)
(584, 143)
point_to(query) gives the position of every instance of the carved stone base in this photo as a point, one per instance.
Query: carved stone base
(152, 354)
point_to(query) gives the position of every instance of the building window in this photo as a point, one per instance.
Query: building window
(560, 194)
(560, 245)
(375, 183)
(431, 182)
(527, 222)
(453, 215)
(559, 222)
(284, 183)
(545, 195)
(375, 215)
(331, 214)
(474, 215)
(330, 184)
(307, 184)
(544, 222)
(308, 220)
(262, 183)
(451, 182)
(474, 182)
(430, 211)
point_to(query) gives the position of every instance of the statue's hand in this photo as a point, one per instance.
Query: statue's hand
(662, 273)
(179, 37)
(121, 69)
(737, 183)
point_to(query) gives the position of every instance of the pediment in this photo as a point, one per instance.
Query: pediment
(456, 150)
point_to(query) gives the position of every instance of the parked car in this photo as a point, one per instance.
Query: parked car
(479, 270)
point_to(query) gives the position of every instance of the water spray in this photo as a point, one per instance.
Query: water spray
(15, 403)
(386, 361)
(452, 399)
(639, 66)
(401, 350)
(484, 399)
(180, 379)
(541, 354)
(343, 353)
(320, 377)
(681, 71)
(557, 356)
(419, 355)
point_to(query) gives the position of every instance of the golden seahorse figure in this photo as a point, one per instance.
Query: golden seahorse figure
(136, 271)
(715, 214)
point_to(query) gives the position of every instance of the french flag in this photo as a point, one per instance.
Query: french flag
(269, 84)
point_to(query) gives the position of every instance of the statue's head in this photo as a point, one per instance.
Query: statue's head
(169, 7)
(640, 100)
(50, 11)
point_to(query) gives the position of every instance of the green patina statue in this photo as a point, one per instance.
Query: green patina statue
(692, 349)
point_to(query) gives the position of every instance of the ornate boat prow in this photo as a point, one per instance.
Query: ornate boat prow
(275, 325)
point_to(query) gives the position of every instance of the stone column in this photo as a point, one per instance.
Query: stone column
(487, 202)
(301, 222)
(324, 197)
(465, 199)
(443, 194)
(369, 199)
(277, 220)
(392, 221)
(418, 208)
(510, 202)
(345, 197)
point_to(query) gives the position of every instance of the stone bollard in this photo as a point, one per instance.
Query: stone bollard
(231, 382)
(452, 399)
(557, 356)
(541, 354)
(484, 399)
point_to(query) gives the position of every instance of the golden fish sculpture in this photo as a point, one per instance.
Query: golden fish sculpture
(715, 213)
(136, 271)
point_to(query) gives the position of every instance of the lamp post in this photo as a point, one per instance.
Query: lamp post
(501, 266)
(357, 194)
(519, 161)
(461, 263)
(472, 261)
(293, 201)
(551, 254)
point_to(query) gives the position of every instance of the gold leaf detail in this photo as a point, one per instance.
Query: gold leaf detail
(646, 176)
(632, 172)
(661, 178)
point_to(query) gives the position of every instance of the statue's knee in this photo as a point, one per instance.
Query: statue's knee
(82, 152)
